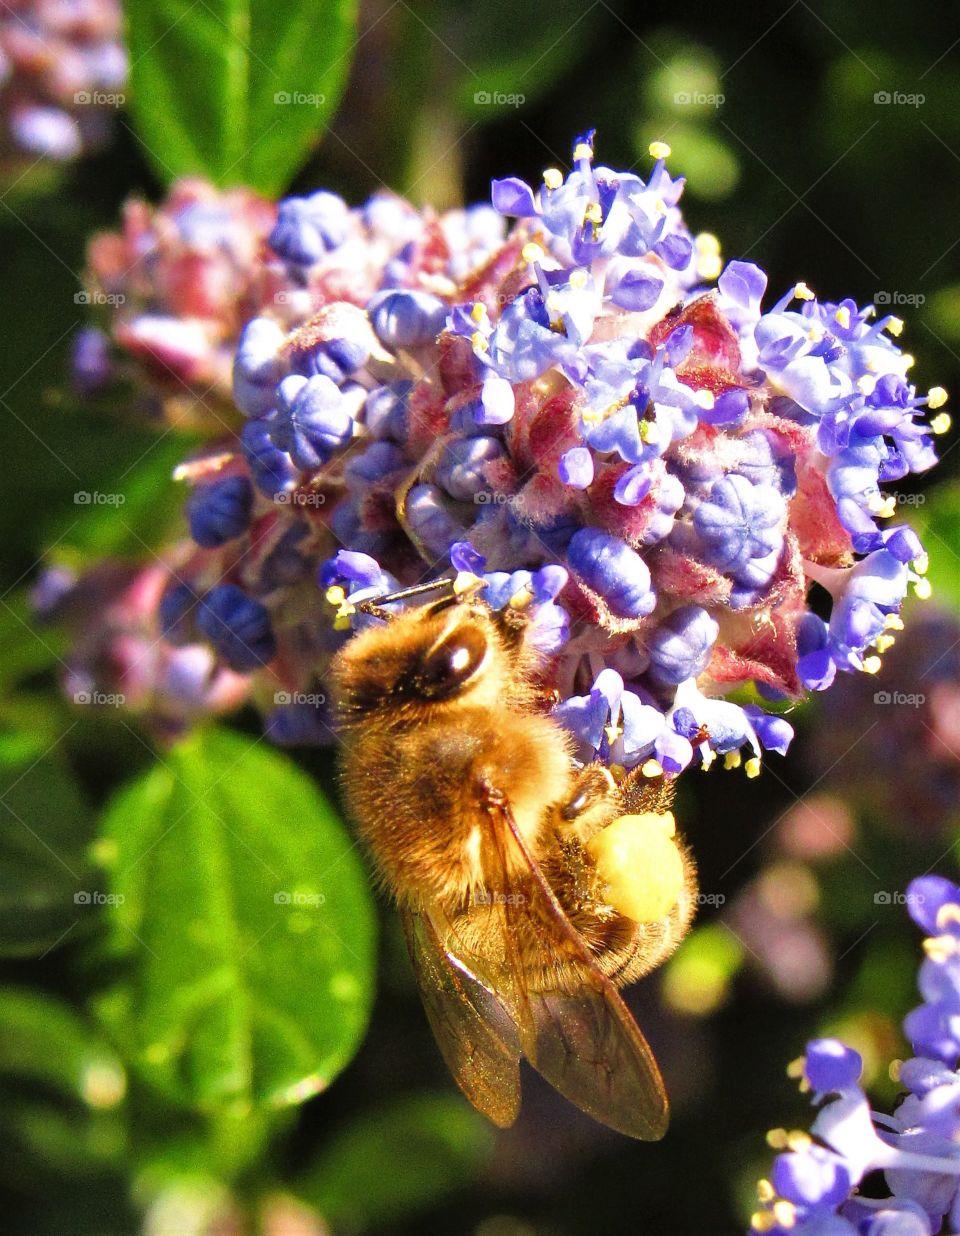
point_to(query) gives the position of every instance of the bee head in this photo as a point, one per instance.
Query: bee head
(433, 655)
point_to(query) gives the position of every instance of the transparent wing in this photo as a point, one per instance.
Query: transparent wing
(476, 1038)
(574, 1028)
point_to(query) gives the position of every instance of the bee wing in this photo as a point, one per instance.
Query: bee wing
(476, 1038)
(585, 1041)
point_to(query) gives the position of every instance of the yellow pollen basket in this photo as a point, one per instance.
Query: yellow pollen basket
(639, 865)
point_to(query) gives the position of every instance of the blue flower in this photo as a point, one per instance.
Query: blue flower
(430, 520)
(740, 528)
(406, 318)
(220, 510)
(385, 412)
(680, 647)
(272, 469)
(238, 626)
(312, 420)
(830, 1065)
(609, 567)
(575, 468)
(177, 613)
(461, 469)
(258, 366)
(309, 227)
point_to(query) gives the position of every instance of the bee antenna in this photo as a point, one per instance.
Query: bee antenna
(461, 583)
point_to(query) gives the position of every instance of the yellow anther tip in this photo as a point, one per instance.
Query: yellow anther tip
(704, 399)
(752, 767)
(936, 397)
(941, 423)
(335, 595)
(479, 311)
(532, 252)
(709, 265)
(895, 326)
(871, 665)
(659, 150)
(552, 178)
(652, 768)
(465, 581)
(923, 589)
(785, 1213)
(842, 317)
(582, 151)
(802, 292)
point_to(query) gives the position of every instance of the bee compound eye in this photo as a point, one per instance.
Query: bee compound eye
(451, 663)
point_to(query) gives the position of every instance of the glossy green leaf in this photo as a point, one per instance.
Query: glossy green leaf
(237, 90)
(396, 1160)
(61, 1087)
(45, 828)
(45, 1041)
(244, 914)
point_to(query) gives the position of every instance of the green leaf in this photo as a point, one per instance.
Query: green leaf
(247, 923)
(937, 520)
(237, 90)
(61, 1086)
(26, 647)
(45, 828)
(396, 1160)
(45, 1041)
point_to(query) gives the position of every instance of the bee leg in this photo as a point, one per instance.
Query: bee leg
(592, 804)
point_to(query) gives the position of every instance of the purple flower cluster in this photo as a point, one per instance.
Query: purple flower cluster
(654, 469)
(63, 70)
(814, 1188)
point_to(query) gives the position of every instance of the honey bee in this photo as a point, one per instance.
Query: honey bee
(530, 889)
